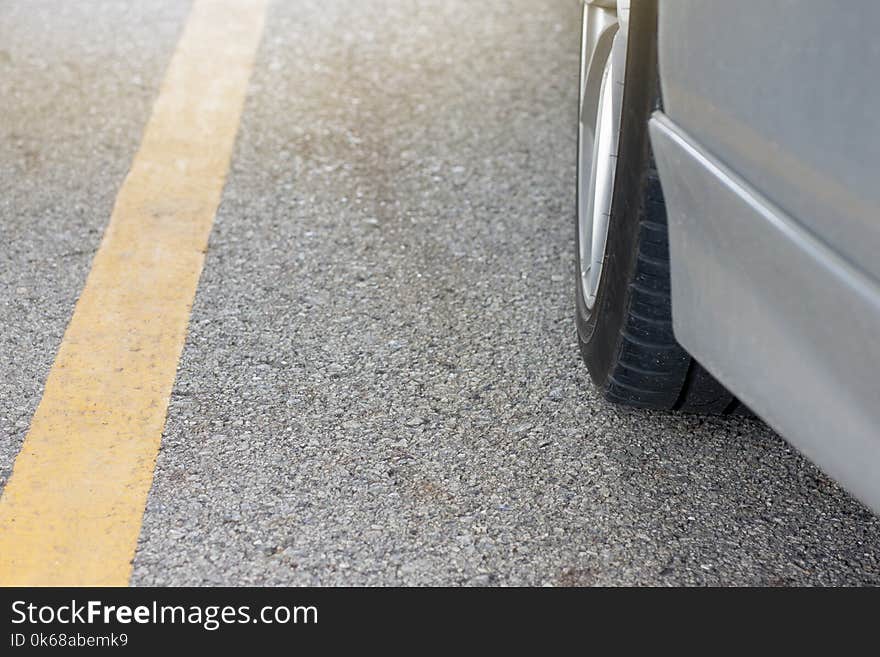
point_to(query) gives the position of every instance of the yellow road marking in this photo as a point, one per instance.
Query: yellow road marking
(72, 509)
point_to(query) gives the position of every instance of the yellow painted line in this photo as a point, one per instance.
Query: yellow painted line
(72, 509)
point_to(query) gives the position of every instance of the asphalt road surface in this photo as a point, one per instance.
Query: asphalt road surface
(381, 382)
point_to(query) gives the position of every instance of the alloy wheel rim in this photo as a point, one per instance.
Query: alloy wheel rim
(603, 60)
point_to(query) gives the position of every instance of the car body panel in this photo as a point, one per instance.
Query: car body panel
(767, 149)
(773, 313)
(785, 93)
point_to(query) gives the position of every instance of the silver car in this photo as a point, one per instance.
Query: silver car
(728, 222)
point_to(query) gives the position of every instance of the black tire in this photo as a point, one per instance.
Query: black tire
(627, 340)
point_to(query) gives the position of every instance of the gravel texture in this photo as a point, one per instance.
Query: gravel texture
(381, 384)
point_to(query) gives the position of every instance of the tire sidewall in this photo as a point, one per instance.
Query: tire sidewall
(599, 329)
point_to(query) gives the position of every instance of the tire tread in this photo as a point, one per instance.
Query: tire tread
(652, 369)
